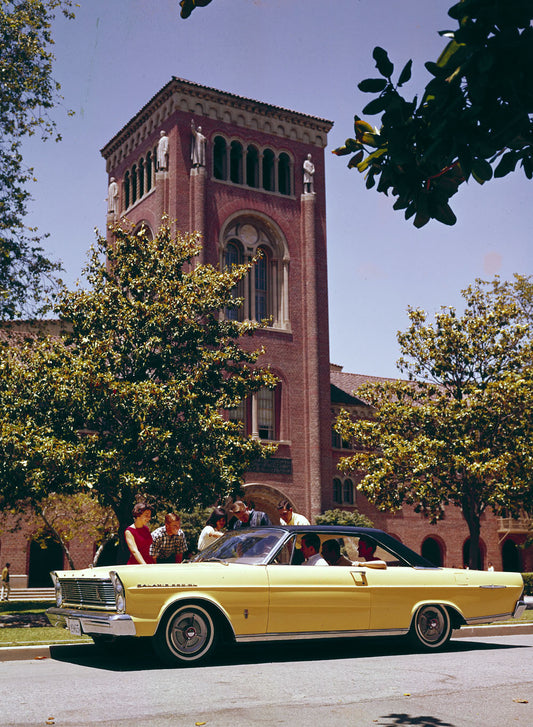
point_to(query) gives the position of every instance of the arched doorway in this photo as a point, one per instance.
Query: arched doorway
(481, 554)
(432, 551)
(42, 561)
(511, 557)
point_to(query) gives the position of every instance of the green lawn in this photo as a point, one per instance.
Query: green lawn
(29, 636)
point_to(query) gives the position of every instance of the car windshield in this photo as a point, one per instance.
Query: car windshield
(255, 547)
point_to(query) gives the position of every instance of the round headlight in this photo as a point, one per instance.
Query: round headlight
(120, 596)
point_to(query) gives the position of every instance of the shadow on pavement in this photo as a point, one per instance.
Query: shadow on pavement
(137, 654)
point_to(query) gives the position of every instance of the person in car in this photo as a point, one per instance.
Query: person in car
(311, 550)
(331, 550)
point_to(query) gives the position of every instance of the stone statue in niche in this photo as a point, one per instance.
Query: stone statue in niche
(162, 151)
(309, 172)
(112, 197)
(197, 146)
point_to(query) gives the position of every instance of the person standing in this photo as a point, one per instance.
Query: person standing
(214, 528)
(248, 517)
(138, 537)
(169, 542)
(288, 517)
(6, 588)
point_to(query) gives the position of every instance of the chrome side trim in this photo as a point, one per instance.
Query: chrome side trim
(488, 619)
(319, 635)
(492, 586)
(114, 624)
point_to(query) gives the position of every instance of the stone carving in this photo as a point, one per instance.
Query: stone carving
(112, 197)
(309, 172)
(162, 151)
(197, 146)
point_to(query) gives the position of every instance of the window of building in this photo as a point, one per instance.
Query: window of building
(232, 257)
(265, 290)
(266, 414)
(262, 268)
(347, 495)
(134, 184)
(141, 177)
(337, 491)
(268, 170)
(252, 167)
(235, 162)
(220, 163)
(126, 190)
(149, 167)
(257, 168)
(284, 174)
(239, 414)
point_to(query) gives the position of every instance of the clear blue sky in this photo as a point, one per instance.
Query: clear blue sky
(306, 55)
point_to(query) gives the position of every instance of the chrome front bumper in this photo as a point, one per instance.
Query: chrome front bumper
(91, 622)
(519, 609)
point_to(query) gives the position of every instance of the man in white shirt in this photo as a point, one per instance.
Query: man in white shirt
(311, 550)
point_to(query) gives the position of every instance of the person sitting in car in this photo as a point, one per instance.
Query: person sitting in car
(331, 550)
(311, 550)
(366, 550)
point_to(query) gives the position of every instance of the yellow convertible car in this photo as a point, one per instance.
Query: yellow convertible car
(253, 585)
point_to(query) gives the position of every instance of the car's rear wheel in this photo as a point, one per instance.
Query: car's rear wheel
(431, 627)
(186, 636)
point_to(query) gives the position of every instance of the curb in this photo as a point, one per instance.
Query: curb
(21, 653)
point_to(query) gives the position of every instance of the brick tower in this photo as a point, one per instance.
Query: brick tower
(248, 176)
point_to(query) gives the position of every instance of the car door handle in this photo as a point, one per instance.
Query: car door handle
(359, 578)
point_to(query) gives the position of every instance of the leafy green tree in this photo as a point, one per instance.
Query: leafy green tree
(27, 93)
(131, 403)
(344, 517)
(460, 432)
(473, 120)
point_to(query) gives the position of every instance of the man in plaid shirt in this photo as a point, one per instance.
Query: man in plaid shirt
(169, 542)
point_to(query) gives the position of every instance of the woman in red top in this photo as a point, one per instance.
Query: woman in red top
(138, 536)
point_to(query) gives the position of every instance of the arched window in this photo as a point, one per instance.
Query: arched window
(134, 184)
(149, 171)
(233, 256)
(220, 161)
(268, 170)
(239, 415)
(262, 286)
(236, 162)
(337, 491)
(347, 495)
(252, 167)
(126, 190)
(265, 288)
(141, 178)
(284, 174)
(266, 414)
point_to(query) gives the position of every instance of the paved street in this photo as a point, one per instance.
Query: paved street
(479, 681)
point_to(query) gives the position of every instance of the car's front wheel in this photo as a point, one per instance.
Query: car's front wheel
(186, 636)
(431, 627)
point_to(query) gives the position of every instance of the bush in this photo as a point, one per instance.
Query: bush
(528, 584)
(343, 517)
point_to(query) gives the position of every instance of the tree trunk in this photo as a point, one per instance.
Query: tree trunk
(472, 516)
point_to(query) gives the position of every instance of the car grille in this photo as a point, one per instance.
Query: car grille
(95, 593)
